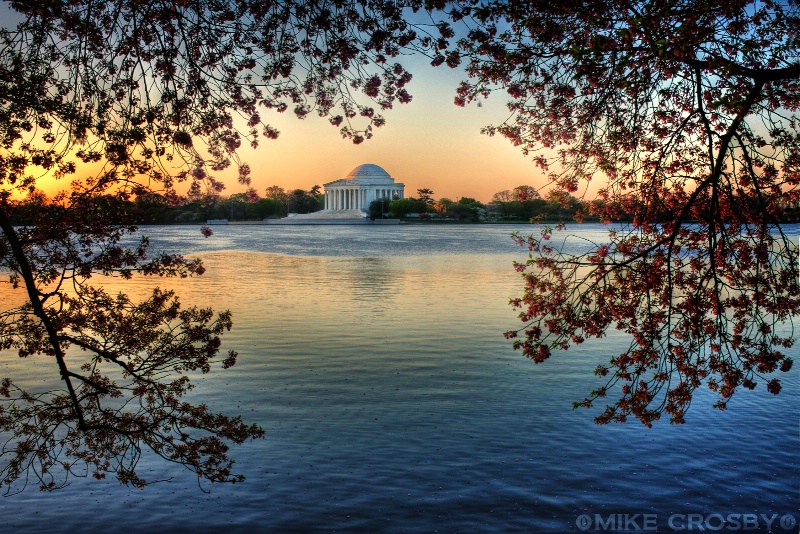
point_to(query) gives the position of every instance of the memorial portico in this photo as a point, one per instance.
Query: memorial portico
(358, 189)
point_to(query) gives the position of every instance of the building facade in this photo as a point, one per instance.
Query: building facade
(358, 189)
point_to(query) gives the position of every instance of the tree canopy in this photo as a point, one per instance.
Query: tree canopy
(405, 206)
(130, 99)
(678, 108)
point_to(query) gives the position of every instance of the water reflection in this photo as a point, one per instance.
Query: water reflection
(365, 280)
(392, 403)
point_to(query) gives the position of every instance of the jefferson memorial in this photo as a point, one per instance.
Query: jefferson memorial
(347, 199)
(358, 189)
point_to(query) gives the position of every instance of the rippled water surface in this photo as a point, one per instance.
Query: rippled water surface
(374, 358)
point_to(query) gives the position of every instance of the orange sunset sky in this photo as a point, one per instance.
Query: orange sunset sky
(429, 143)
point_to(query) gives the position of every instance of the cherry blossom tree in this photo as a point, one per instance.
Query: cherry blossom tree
(687, 114)
(686, 111)
(129, 99)
(525, 192)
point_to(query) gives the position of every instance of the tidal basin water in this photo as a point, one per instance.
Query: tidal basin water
(375, 360)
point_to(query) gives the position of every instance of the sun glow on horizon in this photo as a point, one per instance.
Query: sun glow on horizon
(428, 143)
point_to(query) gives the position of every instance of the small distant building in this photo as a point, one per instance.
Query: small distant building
(357, 190)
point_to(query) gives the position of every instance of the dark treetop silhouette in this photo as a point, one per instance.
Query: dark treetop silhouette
(145, 95)
(688, 112)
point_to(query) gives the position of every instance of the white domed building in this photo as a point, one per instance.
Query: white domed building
(358, 189)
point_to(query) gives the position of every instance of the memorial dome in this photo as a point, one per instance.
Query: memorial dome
(369, 173)
(363, 185)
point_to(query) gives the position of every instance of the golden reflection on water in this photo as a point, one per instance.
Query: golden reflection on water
(388, 378)
(321, 303)
(298, 297)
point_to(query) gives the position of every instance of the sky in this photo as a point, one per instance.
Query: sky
(428, 143)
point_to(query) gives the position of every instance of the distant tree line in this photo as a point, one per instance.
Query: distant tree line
(425, 207)
(160, 209)
(523, 203)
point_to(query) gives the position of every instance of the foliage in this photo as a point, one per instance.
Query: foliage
(503, 196)
(686, 110)
(523, 193)
(404, 206)
(123, 363)
(378, 209)
(536, 209)
(236, 208)
(426, 195)
(441, 205)
(138, 97)
(276, 192)
(465, 209)
(301, 201)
